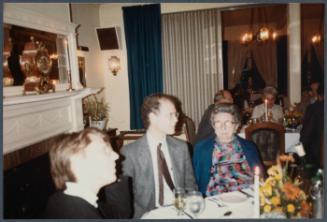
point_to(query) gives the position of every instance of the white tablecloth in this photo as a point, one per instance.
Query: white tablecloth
(243, 209)
(291, 138)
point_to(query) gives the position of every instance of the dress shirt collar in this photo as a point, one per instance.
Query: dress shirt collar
(153, 142)
(75, 189)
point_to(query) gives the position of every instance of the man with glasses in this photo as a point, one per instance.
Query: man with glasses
(157, 162)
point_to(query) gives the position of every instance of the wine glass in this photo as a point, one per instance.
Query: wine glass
(179, 200)
(195, 203)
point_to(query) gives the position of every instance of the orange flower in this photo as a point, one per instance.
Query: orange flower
(305, 209)
(286, 158)
(291, 191)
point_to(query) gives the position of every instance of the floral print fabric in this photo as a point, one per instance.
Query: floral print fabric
(230, 170)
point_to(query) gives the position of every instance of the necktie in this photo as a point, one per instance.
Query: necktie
(163, 172)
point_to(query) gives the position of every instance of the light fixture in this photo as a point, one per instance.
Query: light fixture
(264, 34)
(316, 39)
(247, 38)
(114, 64)
(274, 35)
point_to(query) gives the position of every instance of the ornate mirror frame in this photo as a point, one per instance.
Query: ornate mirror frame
(26, 18)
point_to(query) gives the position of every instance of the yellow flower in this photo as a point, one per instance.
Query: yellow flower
(275, 171)
(262, 199)
(270, 181)
(267, 208)
(278, 177)
(267, 190)
(275, 201)
(290, 208)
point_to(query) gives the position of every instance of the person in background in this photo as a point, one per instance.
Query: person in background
(157, 162)
(82, 163)
(311, 134)
(275, 112)
(309, 96)
(205, 129)
(226, 162)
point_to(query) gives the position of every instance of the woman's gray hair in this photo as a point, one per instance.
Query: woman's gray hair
(226, 108)
(269, 90)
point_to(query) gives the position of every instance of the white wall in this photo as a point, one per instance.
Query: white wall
(58, 11)
(117, 91)
(87, 15)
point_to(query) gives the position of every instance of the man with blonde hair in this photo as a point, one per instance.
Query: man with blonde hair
(82, 163)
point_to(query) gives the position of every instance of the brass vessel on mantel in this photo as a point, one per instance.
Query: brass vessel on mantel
(36, 64)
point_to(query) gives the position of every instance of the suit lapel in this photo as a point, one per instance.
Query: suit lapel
(176, 162)
(145, 161)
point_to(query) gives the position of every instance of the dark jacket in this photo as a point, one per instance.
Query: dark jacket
(312, 132)
(63, 206)
(202, 159)
(114, 202)
(205, 129)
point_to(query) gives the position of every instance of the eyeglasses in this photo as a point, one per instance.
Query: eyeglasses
(226, 124)
(172, 115)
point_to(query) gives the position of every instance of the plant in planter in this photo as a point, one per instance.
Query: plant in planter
(96, 110)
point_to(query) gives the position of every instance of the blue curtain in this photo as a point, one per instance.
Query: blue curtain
(143, 40)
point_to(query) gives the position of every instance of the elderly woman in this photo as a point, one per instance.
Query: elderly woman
(81, 164)
(225, 162)
(275, 112)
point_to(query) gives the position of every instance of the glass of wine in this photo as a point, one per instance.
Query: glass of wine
(195, 203)
(179, 200)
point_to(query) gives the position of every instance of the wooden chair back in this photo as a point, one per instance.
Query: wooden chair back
(128, 136)
(186, 131)
(270, 140)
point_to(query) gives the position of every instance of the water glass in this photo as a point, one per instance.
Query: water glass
(195, 203)
(179, 200)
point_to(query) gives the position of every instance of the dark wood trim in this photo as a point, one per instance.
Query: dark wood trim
(26, 154)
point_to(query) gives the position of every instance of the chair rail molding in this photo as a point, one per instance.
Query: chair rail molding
(34, 118)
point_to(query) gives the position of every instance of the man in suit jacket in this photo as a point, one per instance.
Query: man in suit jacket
(142, 157)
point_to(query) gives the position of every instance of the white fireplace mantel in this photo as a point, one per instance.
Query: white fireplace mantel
(29, 119)
(33, 118)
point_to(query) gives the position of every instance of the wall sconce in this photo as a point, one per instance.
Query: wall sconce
(114, 64)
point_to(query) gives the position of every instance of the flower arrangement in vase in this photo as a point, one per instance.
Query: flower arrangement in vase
(281, 195)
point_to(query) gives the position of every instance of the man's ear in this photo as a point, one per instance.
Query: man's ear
(152, 117)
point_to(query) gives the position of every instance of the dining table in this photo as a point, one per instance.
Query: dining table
(231, 205)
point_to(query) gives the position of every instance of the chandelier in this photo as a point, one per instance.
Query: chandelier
(264, 34)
